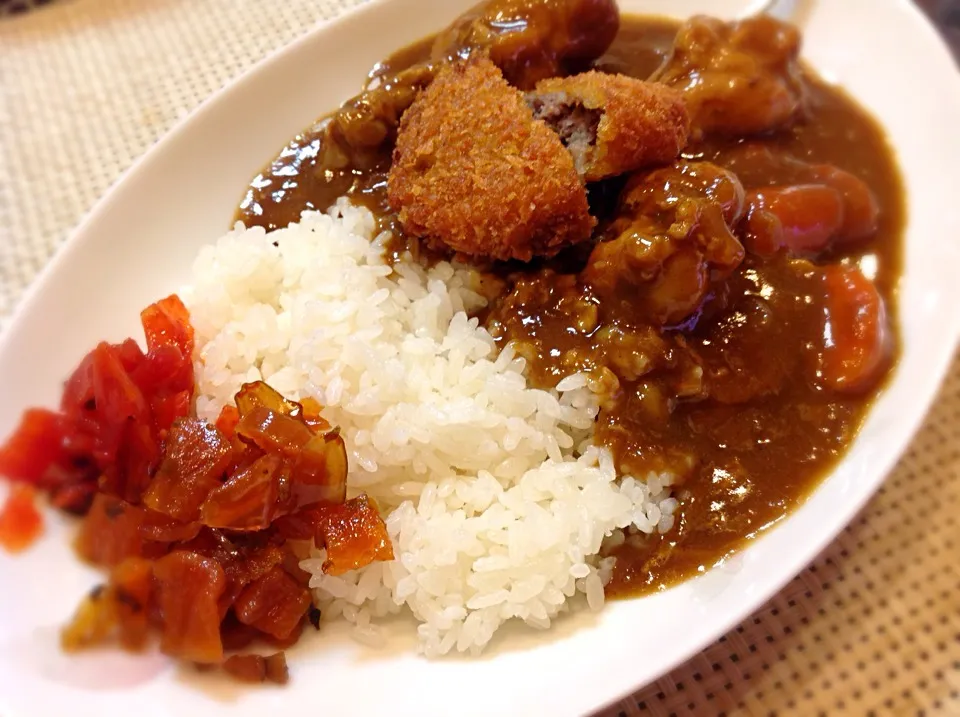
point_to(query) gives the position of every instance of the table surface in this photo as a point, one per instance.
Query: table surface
(872, 627)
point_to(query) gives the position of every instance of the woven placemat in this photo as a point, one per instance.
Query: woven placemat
(873, 627)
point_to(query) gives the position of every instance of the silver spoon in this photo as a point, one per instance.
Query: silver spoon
(780, 9)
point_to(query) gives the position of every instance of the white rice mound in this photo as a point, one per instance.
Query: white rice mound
(494, 497)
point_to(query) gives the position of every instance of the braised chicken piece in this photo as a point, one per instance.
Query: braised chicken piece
(672, 237)
(739, 78)
(473, 171)
(531, 40)
(355, 136)
(612, 124)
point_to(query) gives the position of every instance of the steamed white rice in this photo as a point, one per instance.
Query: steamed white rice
(495, 499)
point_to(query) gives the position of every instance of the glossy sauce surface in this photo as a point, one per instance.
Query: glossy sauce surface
(296, 181)
(748, 445)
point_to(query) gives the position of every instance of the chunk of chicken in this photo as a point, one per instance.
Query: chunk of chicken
(363, 129)
(739, 78)
(671, 239)
(531, 40)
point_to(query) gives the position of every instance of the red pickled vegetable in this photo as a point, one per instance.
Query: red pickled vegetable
(284, 643)
(227, 420)
(137, 459)
(258, 394)
(78, 397)
(20, 521)
(197, 456)
(322, 465)
(187, 516)
(110, 532)
(161, 528)
(274, 604)
(93, 622)
(164, 370)
(247, 500)
(243, 568)
(130, 355)
(113, 412)
(277, 668)
(114, 426)
(167, 322)
(235, 635)
(311, 414)
(73, 498)
(131, 589)
(255, 668)
(118, 400)
(168, 408)
(353, 533)
(36, 447)
(856, 336)
(246, 668)
(189, 586)
(272, 431)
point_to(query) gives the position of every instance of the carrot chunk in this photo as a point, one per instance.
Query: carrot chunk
(856, 343)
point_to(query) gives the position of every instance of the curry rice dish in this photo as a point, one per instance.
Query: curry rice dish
(666, 289)
(572, 306)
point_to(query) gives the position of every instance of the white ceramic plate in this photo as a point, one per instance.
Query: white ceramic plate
(139, 243)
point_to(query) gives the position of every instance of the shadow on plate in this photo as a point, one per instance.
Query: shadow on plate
(334, 642)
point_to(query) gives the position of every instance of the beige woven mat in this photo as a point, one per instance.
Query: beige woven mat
(873, 627)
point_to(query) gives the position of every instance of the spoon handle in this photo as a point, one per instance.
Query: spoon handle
(780, 9)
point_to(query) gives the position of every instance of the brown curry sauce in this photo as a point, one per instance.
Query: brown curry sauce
(745, 464)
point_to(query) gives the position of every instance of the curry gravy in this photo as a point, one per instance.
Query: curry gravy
(742, 463)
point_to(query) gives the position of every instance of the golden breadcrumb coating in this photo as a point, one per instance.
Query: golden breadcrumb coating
(474, 171)
(642, 124)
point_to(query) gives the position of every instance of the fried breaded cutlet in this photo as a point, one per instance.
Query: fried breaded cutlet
(613, 124)
(474, 171)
